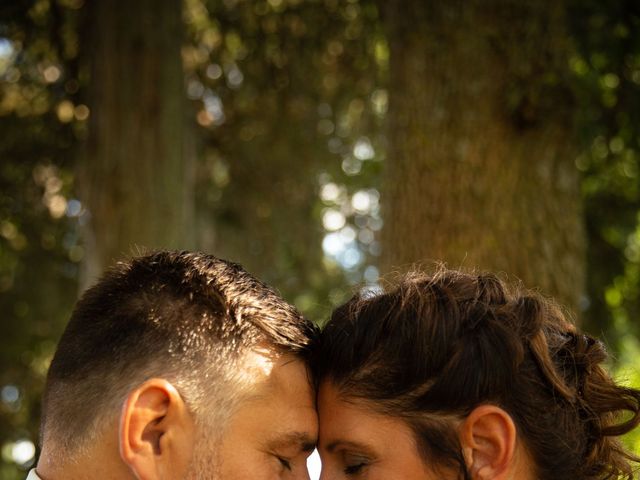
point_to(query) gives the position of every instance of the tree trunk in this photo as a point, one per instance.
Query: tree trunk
(267, 219)
(481, 160)
(135, 178)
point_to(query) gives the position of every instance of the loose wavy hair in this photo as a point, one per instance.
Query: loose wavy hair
(437, 346)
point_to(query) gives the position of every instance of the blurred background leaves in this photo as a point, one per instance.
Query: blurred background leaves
(289, 132)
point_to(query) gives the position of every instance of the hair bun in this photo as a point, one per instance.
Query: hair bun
(530, 315)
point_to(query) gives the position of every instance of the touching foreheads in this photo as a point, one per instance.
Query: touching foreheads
(189, 318)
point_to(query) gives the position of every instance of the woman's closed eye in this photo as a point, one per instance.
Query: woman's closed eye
(354, 469)
(355, 464)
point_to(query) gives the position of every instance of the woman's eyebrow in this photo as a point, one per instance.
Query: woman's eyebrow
(333, 445)
(304, 440)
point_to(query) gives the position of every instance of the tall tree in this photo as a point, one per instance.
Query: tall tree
(135, 178)
(480, 168)
(274, 94)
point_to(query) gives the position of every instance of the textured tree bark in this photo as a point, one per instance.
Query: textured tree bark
(135, 178)
(481, 158)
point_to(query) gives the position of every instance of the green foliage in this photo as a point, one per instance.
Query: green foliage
(606, 82)
(39, 250)
(288, 101)
(606, 69)
(284, 93)
(628, 373)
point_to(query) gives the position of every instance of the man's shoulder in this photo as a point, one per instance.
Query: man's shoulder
(33, 475)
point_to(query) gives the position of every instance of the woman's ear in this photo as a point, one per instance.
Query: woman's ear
(488, 438)
(156, 435)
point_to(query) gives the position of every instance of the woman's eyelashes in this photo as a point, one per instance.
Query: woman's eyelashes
(355, 464)
(354, 469)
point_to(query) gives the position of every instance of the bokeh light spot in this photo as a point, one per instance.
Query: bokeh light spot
(361, 201)
(333, 220)
(329, 192)
(10, 394)
(81, 112)
(214, 71)
(51, 74)
(23, 452)
(363, 150)
(65, 111)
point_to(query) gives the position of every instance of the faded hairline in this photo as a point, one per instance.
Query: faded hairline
(186, 317)
(224, 383)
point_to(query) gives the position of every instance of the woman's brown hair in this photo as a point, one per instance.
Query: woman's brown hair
(437, 346)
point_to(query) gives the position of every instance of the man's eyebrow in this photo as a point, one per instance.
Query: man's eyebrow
(304, 440)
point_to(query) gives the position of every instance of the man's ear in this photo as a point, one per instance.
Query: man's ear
(488, 438)
(156, 431)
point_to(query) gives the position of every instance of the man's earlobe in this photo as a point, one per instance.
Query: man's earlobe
(156, 431)
(488, 438)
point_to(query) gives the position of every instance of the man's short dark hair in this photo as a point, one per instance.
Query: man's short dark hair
(186, 317)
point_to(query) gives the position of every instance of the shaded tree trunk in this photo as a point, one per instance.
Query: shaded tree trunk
(481, 161)
(266, 218)
(135, 178)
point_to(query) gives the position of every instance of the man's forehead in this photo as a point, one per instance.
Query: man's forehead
(259, 362)
(279, 410)
(270, 380)
(267, 370)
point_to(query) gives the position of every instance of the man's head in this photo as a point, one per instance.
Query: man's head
(173, 353)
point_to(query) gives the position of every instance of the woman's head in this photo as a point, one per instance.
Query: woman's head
(465, 368)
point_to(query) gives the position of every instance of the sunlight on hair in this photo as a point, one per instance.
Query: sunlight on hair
(314, 465)
(256, 364)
